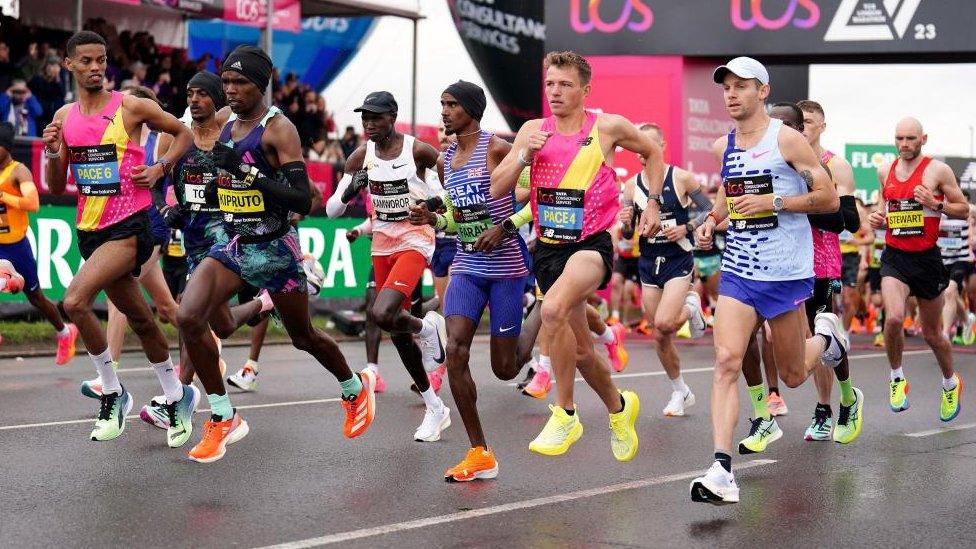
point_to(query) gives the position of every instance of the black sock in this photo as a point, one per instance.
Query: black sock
(825, 409)
(773, 390)
(571, 412)
(725, 460)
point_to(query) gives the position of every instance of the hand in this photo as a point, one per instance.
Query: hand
(359, 180)
(704, 234)
(925, 197)
(676, 233)
(172, 216)
(420, 215)
(877, 220)
(52, 136)
(650, 221)
(144, 177)
(626, 216)
(352, 235)
(537, 140)
(750, 204)
(227, 158)
(489, 239)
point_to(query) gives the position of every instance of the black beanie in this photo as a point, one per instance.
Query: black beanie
(252, 62)
(470, 96)
(210, 83)
(7, 136)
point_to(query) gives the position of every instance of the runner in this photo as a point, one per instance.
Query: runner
(18, 198)
(575, 200)
(373, 332)
(916, 191)
(392, 165)
(488, 269)
(263, 179)
(768, 263)
(957, 256)
(667, 263)
(94, 142)
(625, 278)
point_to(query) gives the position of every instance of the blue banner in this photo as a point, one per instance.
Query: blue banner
(316, 54)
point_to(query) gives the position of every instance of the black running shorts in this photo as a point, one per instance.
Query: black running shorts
(550, 260)
(922, 272)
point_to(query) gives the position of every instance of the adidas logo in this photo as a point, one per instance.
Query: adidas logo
(237, 65)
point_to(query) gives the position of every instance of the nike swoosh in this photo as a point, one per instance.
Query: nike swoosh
(440, 346)
(755, 156)
(395, 167)
(503, 330)
(398, 283)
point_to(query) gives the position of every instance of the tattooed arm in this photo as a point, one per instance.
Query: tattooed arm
(822, 197)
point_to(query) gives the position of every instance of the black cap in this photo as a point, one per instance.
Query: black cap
(378, 102)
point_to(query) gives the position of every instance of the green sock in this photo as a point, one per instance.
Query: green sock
(758, 396)
(846, 392)
(351, 387)
(220, 406)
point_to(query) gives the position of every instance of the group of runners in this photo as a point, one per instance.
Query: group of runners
(760, 260)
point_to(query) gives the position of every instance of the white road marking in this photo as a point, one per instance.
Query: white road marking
(497, 509)
(199, 411)
(941, 430)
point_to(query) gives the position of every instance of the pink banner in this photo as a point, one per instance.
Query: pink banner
(287, 13)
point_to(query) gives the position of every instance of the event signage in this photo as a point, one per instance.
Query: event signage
(865, 160)
(759, 27)
(287, 14)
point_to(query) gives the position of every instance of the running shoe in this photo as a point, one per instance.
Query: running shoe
(435, 378)
(762, 433)
(434, 422)
(679, 401)
(820, 428)
(717, 486)
(478, 463)
(380, 383)
(217, 434)
(777, 406)
(616, 351)
(696, 321)
(111, 415)
(684, 332)
(92, 388)
(613, 321)
(13, 281)
(66, 345)
(828, 324)
(432, 347)
(623, 435)
(950, 401)
(181, 417)
(361, 408)
(899, 395)
(560, 432)
(155, 413)
(849, 420)
(969, 329)
(644, 328)
(246, 379)
(529, 374)
(539, 386)
(879, 340)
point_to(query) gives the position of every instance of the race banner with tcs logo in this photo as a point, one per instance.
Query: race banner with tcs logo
(52, 236)
(286, 14)
(759, 27)
(865, 160)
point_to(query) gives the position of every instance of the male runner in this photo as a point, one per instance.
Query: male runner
(395, 166)
(263, 178)
(915, 191)
(626, 277)
(575, 200)
(957, 256)
(95, 143)
(18, 197)
(767, 269)
(667, 264)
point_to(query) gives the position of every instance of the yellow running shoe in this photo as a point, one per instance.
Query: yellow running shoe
(685, 331)
(899, 395)
(879, 340)
(950, 401)
(850, 419)
(560, 432)
(623, 436)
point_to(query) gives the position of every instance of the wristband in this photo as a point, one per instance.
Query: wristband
(714, 217)
(49, 154)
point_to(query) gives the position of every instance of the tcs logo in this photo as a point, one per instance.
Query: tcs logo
(756, 17)
(636, 16)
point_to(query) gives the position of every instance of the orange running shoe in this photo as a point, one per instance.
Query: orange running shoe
(616, 351)
(856, 326)
(216, 436)
(66, 345)
(478, 463)
(644, 328)
(361, 408)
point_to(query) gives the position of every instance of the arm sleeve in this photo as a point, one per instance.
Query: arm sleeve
(523, 216)
(831, 222)
(450, 225)
(848, 207)
(293, 194)
(29, 202)
(366, 227)
(434, 182)
(334, 207)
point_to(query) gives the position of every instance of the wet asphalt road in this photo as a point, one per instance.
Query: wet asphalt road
(296, 479)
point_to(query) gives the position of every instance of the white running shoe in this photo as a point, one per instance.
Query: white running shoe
(246, 379)
(697, 319)
(434, 422)
(679, 401)
(717, 486)
(829, 324)
(432, 348)
(155, 413)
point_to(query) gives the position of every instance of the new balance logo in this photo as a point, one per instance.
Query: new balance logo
(236, 65)
(858, 20)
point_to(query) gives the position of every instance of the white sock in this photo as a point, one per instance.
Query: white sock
(252, 364)
(545, 364)
(533, 364)
(427, 329)
(949, 383)
(171, 385)
(678, 384)
(65, 332)
(433, 402)
(897, 373)
(607, 336)
(373, 367)
(106, 372)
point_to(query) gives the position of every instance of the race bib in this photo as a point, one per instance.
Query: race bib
(905, 218)
(391, 199)
(95, 169)
(195, 182)
(741, 186)
(471, 222)
(239, 205)
(560, 214)
(667, 222)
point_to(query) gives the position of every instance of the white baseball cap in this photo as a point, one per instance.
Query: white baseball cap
(743, 67)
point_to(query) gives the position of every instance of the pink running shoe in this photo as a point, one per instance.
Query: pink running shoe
(66, 345)
(380, 384)
(436, 379)
(539, 386)
(618, 354)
